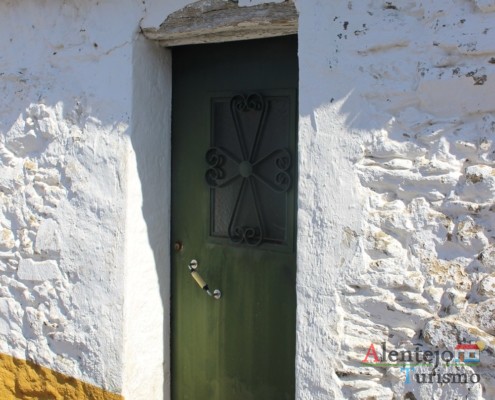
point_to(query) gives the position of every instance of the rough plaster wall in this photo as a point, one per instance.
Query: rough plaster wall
(397, 190)
(66, 83)
(147, 294)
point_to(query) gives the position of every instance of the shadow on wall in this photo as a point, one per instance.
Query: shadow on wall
(60, 174)
(65, 166)
(148, 280)
(64, 159)
(400, 125)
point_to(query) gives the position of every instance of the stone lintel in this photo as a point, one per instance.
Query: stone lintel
(212, 21)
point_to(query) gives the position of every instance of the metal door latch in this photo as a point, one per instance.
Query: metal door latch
(193, 265)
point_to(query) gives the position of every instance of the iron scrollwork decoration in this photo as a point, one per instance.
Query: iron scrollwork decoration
(249, 168)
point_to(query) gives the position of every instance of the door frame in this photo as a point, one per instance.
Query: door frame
(270, 20)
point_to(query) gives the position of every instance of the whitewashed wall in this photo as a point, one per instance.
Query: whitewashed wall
(66, 83)
(396, 204)
(147, 279)
(397, 190)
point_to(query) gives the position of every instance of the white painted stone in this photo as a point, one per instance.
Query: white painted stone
(453, 302)
(6, 239)
(48, 239)
(11, 313)
(399, 164)
(487, 286)
(482, 315)
(4, 326)
(30, 270)
(471, 235)
(485, 5)
(8, 179)
(487, 257)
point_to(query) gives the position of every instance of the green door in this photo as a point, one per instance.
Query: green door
(234, 175)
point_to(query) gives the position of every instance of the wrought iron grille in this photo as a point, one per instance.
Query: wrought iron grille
(250, 168)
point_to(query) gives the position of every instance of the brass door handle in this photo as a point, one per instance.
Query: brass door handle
(193, 265)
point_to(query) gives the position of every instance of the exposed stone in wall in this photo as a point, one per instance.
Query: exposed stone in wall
(52, 192)
(67, 90)
(429, 181)
(409, 107)
(65, 76)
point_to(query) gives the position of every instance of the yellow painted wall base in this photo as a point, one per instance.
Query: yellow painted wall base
(20, 379)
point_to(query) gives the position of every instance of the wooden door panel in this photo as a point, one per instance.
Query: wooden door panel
(241, 346)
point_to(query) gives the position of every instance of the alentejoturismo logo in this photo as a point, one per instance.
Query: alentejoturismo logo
(447, 366)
